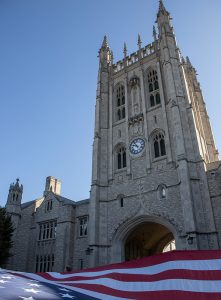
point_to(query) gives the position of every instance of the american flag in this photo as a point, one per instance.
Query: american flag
(173, 275)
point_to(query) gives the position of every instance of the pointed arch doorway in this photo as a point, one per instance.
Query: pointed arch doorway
(147, 239)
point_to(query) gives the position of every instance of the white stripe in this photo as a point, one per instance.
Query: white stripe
(206, 286)
(210, 286)
(201, 265)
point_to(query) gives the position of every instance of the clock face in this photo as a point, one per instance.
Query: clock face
(137, 146)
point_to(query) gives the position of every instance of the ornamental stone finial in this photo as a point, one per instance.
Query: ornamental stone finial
(139, 42)
(125, 50)
(105, 43)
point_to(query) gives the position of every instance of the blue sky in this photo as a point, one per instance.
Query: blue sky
(48, 72)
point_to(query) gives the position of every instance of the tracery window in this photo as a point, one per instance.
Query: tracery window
(120, 103)
(159, 144)
(153, 84)
(121, 157)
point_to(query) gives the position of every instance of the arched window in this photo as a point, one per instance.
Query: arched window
(121, 157)
(154, 95)
(150, 87)
(156, 86)
(120, 102)
(159, 145)
(157, 98)
(152, 102)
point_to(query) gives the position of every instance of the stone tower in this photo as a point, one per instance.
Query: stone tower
(13, 205)
(152, 146)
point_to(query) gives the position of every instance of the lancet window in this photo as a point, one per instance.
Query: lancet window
(83, 223)
(120, 103)
(153, 88)
(121, 157)
(159, 148)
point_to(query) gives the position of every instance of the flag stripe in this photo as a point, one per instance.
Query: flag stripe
(177, 255)
(176, 275)
(214, 264)
(205, 286)
(170, 274)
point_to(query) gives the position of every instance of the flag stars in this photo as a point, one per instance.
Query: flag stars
(67, 296)
(7, 277)
(63, 289)
(34, 284)
(31, 291)
(3, 281)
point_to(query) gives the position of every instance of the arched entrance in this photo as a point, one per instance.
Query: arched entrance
(147, 239)
(159, 231)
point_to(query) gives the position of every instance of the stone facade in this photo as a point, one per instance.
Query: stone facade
(156, 175)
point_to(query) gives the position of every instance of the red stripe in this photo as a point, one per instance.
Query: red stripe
(170, 274)
(156, 295)
(160, 258)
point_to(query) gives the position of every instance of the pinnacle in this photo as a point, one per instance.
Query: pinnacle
(125, 50)
(162, 8)
(139, 42)
(154, 33)
(105, 43)
(188, 60)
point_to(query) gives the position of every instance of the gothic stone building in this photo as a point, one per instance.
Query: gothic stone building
(156, 176)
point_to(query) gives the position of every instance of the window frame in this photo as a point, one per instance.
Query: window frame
(158, 145)
(81, 229)
(119, 102)
(153, 89)
(120, 157)
(47, 230)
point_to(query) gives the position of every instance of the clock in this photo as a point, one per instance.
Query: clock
(137, 145)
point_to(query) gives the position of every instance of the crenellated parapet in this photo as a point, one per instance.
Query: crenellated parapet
(134, 57)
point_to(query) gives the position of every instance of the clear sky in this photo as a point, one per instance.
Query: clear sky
(48, 72)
